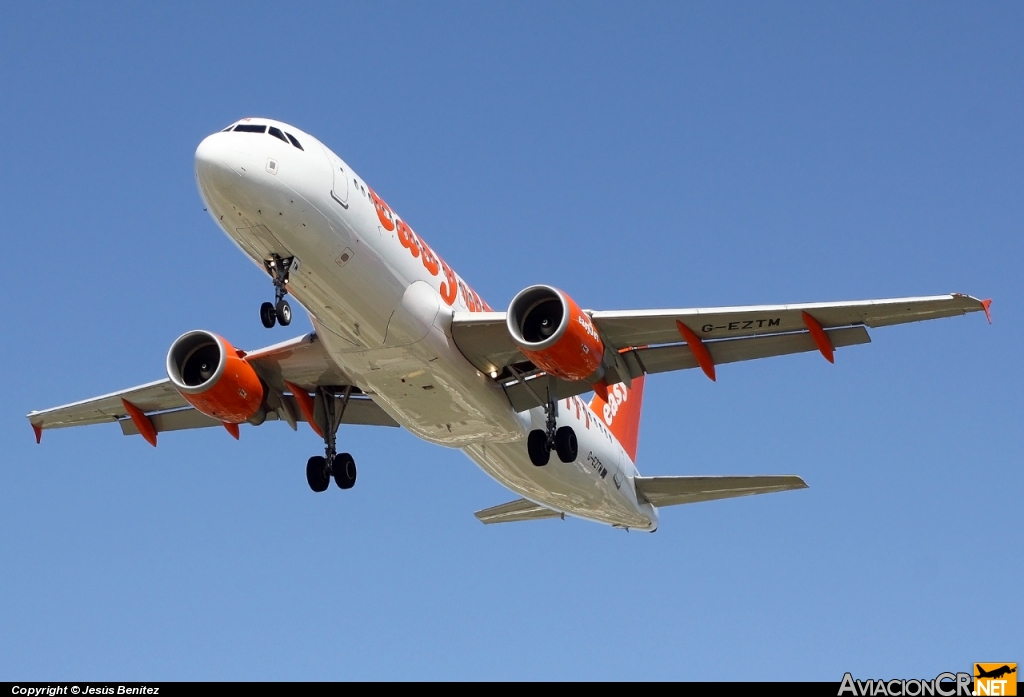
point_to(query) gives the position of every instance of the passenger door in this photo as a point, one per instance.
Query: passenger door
(339, 189)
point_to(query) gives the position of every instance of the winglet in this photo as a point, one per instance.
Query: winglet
(39, 432)
(821, 339)
(141, 421)
(232, 429)
(700, 351)
(985, 305)
(305, 405)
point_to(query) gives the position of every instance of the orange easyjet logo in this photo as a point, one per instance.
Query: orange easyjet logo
(452, 284)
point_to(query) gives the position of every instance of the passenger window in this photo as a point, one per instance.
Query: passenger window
(294, 142)
(276, 132)
(250, 128)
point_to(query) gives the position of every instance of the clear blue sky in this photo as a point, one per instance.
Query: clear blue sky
(637, 155)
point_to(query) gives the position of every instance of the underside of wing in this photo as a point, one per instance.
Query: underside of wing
(646, 327)
(672, 491)
(515, 511)
(300, 363)
(654, 341)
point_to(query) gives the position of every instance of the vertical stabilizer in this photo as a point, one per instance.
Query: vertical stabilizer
(621, 413)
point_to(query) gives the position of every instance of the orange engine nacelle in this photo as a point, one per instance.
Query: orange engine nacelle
(558, 337)
(214, 378)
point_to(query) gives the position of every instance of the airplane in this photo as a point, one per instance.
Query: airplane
(995, 673)
(400, 339)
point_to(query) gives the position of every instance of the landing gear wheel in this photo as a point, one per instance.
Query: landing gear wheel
(269, 316)
(316, 474)
(284, 312)
(537, 446)
(566, 445)
(344, 471)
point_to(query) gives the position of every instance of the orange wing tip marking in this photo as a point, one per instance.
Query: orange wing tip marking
(232, 429)
(141, 422)
(985, 305)
(820, 337)
(700, 351)
(305, 405)
(39, 432)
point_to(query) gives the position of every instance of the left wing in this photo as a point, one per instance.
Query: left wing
(302, 362)
(513, 511)
(651, 341)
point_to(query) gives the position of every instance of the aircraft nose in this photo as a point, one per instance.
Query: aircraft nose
(219, 162)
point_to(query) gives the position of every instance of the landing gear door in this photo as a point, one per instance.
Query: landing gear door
(339, 187)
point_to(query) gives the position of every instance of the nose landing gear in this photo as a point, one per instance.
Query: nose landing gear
(278, 311)
(328, 410)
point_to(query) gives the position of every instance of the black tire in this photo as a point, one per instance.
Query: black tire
(344, 471)
(537, 446)
(316, 474)
(283, 312)
(566, 445)
(267, 315)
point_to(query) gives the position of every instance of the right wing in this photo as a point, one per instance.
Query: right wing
(671, 491)
(301, 361)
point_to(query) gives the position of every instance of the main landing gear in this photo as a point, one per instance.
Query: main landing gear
(539, 444)
(279, 310)
(328, 410)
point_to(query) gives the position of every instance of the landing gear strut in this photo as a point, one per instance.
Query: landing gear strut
(328, 410)
(279, 310)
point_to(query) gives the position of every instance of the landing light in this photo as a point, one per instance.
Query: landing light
(494, 373)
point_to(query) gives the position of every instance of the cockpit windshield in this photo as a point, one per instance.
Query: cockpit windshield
(262, 128)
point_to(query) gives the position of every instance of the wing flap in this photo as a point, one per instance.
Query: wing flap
(660, 359)
(672, 491)
(515, 511)
(361, 411)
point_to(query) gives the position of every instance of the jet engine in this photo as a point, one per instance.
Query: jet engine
(214, 378)
(558, 337)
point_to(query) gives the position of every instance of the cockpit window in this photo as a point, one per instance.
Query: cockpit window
(294, 142)
(228, 128)
(276, 132)
(250, 128)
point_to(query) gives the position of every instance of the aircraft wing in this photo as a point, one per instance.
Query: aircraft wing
(301, 361)
(671, 491)
(651, 341)
(514, 511)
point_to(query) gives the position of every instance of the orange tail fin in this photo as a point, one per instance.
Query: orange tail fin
(621, 413)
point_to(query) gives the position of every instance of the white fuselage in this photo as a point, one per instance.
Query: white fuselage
(382, 302)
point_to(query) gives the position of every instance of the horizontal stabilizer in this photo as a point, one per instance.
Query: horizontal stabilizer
(671, 491)
(513, 511)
